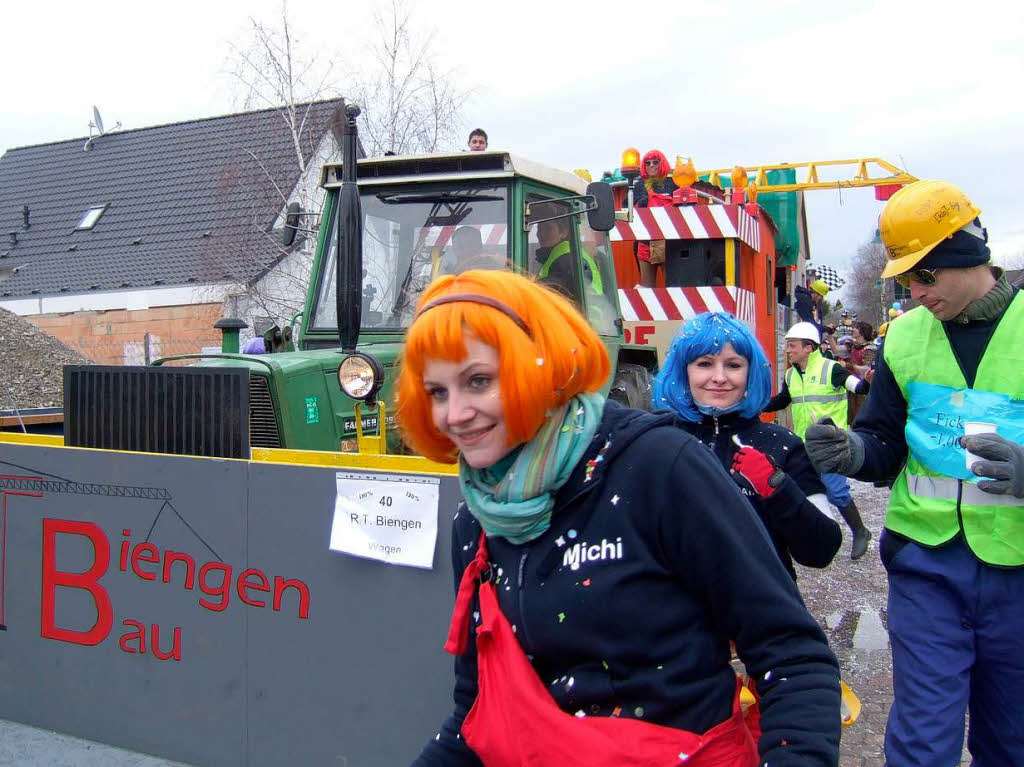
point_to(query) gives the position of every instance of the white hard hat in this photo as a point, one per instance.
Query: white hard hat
(804, 331)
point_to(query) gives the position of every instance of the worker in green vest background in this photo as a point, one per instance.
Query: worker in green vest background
(816, 388)
(946, 411)
(553, 238)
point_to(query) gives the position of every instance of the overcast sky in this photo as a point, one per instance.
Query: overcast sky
(930, 86)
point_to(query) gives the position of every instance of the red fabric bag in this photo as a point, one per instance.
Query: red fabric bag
(516, 722)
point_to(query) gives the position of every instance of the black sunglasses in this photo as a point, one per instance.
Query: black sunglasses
(652, 162)
(923, 276)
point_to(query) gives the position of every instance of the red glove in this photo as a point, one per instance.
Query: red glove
(758, 470)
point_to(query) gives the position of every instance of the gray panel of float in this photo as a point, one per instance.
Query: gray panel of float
(282, 651)
(368, 664)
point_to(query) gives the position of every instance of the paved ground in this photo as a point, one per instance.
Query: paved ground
(848, 599)
(24, 746)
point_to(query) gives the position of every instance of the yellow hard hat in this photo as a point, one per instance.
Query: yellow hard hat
(919, 217)
(819, 287)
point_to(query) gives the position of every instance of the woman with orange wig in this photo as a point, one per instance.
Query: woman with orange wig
(604, 559)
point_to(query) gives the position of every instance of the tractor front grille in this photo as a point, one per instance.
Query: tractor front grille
(177, 410)
(263, 431)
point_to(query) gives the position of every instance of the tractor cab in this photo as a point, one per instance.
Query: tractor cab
(428, 216)
(424, 217)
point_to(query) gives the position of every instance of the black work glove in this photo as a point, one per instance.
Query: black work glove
(833, 450)
(1004, 463)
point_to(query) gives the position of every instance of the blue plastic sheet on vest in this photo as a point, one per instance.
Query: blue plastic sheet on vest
(935, 420)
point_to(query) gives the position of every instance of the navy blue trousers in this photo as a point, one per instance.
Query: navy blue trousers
(957, 633)
(837, 490)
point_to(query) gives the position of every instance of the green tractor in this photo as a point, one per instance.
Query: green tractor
(405, 221)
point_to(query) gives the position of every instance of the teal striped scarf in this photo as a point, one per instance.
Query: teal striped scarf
(514, 498)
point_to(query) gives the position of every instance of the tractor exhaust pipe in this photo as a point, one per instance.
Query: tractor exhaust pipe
(349, 236)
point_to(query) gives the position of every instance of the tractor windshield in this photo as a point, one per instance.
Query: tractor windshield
(411, 236)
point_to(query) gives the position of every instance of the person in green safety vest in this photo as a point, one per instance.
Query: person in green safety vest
(946, 416)
(553, 239)
(816, 387)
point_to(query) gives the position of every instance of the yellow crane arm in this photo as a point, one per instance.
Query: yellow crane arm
(863, 176)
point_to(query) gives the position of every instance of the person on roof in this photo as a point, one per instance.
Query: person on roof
(561, 542)
(816, 387)
(652, 189)
(717, 380)
(477, 140)
(946, 416)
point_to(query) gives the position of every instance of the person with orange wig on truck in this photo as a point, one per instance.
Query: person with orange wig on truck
(603, 558)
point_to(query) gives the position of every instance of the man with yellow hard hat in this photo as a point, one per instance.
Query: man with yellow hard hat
(808, 300)
(946, 412)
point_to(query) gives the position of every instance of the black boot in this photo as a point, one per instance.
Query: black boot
(861, 535)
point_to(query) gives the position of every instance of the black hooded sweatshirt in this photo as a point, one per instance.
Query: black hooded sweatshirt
(799, 529)
(805, 308)
(626, 605)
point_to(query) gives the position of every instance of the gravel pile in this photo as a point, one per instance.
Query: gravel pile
(32, 365)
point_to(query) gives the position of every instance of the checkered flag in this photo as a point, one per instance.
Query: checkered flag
(828, 275)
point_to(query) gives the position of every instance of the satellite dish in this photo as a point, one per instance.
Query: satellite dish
(97, 123)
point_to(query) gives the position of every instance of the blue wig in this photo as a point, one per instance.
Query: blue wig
(706, 334)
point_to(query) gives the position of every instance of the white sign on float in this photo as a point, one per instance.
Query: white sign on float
(387, 517)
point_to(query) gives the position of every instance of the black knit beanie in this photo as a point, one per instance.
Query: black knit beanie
(961, 251)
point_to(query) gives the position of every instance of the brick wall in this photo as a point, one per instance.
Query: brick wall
(118, 336)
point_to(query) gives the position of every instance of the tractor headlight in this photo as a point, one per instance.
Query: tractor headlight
(360, 376)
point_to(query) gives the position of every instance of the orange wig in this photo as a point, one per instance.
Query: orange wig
(560, 357)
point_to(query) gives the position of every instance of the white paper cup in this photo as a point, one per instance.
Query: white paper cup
(976, 427)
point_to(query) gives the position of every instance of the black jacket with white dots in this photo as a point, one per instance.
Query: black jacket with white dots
(797, 514)
(654, 561)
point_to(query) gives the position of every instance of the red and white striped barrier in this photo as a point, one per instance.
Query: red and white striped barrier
(690, 222)
(680, 304)
(491, 234)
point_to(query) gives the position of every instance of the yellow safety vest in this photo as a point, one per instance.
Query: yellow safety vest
(813, 395)
(561, 249)
(928, 506)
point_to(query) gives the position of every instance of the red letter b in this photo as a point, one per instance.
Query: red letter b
(52, 578)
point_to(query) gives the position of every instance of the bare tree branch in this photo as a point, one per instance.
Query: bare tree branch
(274, 70)
(864, 296)
(409, 104)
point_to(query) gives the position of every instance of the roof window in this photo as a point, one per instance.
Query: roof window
(91, 217)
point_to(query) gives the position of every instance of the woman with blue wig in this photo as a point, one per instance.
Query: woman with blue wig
(717, 380)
